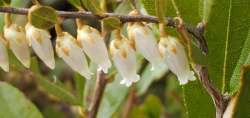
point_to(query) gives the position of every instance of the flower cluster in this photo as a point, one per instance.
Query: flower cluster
(90, 43)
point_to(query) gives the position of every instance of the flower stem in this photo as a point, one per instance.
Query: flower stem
(100, 85)
(7, 19)
(58, 29)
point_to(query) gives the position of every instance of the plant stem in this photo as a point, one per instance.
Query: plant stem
(100, 85)
(220, 101)
(129, 103)
(195, 31)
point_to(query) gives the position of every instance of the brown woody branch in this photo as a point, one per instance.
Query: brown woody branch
(197, 32)
(220, 101)
(101, 82)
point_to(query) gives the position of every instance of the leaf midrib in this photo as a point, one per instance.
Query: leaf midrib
(226, 48)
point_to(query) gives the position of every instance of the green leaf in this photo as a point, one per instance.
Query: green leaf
(15, 105)
(124, 7)
(194, 97)
(238, 106)
(153, 106)
(79, 82)
(4, 2)
(159, 5)
(111, 23)
(114, 95)
(150, 108)
(149, 5)
(57, 90)
(148, 76)
(93, 6)
(205, 9)
(76, 3)
(227, 32)
(244, 59)
(43, 17)
(241, 108)
(53, 87)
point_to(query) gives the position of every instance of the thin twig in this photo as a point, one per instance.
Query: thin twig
(100, 85)
(129, 103)
(220, 100)
(197, 32)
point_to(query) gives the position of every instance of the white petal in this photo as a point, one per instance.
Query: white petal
(176, 59)
(126, 65)
(74, 56)
(145, 43)
(18, 43)
(93, 45)
(4, 59)
(41, 44)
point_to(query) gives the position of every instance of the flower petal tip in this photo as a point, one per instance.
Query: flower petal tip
(26, 64)
(104, 67)
(50, 63)
(128, 81)
(187, 77)
(86, 75)
(5, 67)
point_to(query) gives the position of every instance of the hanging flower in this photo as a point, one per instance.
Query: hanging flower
(18, 43)
(145, 43)
(93, 45)
(125, 60)
(71, 53)
(176, 59)
(4, 59)
(39, 39)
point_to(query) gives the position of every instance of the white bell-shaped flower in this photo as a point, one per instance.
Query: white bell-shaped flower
(94, 46)
(175, 56)
(15, 35)
(39, 40)
(145, 43)
(125, 61)
(71, 53)
(4, 59)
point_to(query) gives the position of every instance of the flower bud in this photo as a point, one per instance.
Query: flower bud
(145, 43)
(39, 40)
(71, 53)
(18, 43)
(4, 59)
(174, 55)
(124, 59)
(93, 45)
